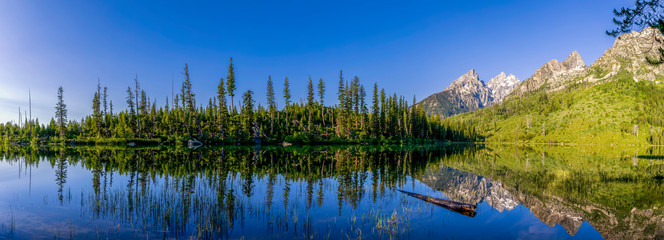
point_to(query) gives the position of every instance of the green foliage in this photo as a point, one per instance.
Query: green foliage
(392, 120)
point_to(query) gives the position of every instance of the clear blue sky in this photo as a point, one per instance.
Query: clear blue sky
(408, 48)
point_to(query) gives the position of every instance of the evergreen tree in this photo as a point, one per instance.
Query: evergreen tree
(287, 93)
(375, 117)
(310, 92)
(188, 97)
(97, 113)
(61, 113)
(230, 84)
(130, 101)
(248, 111)
(321, 91)
(287, 100)
(271, 102)
(321, 96)
(310, 103)
(222, 117)
(105, 100)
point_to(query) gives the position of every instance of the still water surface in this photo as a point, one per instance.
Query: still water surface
(330, 193)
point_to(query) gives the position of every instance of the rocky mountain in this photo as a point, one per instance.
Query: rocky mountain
(468, 93)
(502, 85)
(629, 53)
(553, 74)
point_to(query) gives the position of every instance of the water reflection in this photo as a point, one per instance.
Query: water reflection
(330, 192)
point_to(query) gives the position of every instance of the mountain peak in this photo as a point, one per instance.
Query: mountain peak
(468, 93)
(574, 62)
(629, 52)
(469, 78)
(501, 85)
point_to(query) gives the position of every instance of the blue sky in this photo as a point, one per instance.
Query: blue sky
(408, 48)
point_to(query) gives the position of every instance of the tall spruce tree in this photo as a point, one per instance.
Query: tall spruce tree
(230, 84)
(375, 116)
(271, 102)
(287, 101)
(287, 93)
(310, 93)
(222, 117)
(248, 111)
(61, 113)
(321, 96)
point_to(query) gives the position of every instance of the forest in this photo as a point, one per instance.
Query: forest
(387, 119)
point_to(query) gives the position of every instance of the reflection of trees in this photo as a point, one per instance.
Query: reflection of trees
(61, 173)
(207, 192)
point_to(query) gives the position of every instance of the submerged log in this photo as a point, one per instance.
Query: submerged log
(193, 143)
(462, 208)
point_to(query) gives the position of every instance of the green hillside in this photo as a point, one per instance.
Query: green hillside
(619, 110)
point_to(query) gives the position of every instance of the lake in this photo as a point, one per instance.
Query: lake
(333, 192)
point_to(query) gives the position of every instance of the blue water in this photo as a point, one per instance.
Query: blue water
(38, 201)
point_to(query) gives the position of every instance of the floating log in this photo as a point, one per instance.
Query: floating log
(462, 208)
(193, 143)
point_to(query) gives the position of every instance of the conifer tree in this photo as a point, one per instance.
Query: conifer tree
(248, 111)
(130, 101)
(287, 93)
(223, 109)
(61, 113)
(287, 100)
(321, 96)
(375, 116)
(105, 100)
(230, 84)
(310, 103)
(271, 102)
(310, 93)
(96, 112)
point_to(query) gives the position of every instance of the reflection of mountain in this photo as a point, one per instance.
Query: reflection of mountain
(619, 201)
(552, 210)
(467, 187)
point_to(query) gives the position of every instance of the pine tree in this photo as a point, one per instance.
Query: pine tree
(97, 113)
(105, 100)
(310, 103)
(188, 97)
(375, 117)
(130, 101)
(310, 92)
(287, 93)
(383, 109)
(222, 117)
(230, 84)
(321, 96)
(287, 100)
(355, 94)
(248, 111)
(61, 113)
(271, 102)
(341, 95)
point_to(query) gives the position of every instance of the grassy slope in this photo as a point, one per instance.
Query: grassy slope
(582, 113)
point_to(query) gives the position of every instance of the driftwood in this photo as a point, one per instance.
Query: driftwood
(462, 208)
(193, 143)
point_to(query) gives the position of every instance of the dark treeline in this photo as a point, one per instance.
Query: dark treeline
(386, 119)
